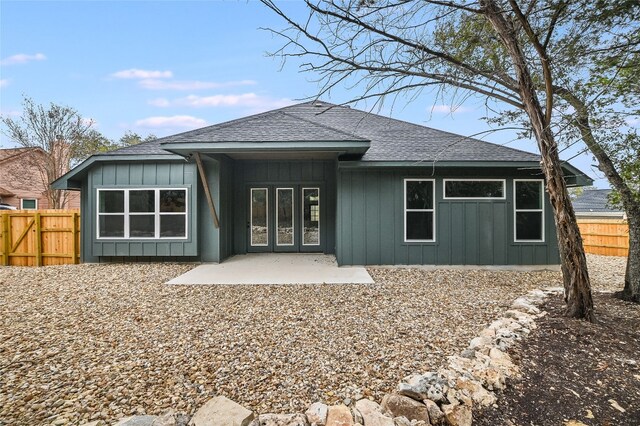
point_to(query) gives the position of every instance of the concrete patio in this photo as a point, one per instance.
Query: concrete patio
(276, 268)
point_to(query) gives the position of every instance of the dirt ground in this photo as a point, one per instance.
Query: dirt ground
(576, 373)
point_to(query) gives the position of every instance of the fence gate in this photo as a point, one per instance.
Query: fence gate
(39, 237)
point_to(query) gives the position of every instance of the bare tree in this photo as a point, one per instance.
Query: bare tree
(60, 132)
(395, 46)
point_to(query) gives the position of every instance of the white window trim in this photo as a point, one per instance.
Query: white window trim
(540, 210)
(433, 209)
(504, 189)
(293, 217)
(302, 216)
(156, 213)
(266, 190)
(28, 199)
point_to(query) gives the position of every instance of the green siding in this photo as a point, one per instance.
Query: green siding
(138, 174)
(468, 232)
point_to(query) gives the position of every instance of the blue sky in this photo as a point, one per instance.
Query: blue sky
(164, 67)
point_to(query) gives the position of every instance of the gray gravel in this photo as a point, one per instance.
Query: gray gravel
(82, 342)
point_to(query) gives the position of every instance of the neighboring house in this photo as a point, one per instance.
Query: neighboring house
(594, 204)
(317, 177)
(21, 183)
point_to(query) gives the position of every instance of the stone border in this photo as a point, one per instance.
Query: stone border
(443, 397)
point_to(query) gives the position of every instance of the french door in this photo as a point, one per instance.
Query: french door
(284, 218)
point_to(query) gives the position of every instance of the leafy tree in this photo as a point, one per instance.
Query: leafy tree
(61, 133)
(131, 138)
(530, 60)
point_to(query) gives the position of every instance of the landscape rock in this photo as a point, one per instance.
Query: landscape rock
(476, 391)
(339, 415)
(147, 421)
(436, 416)
(282, 420)
(372, 414)
(523, 304)
(457, 415)
(415, 386)
(221, 411)
(317, 414)
(403, 406)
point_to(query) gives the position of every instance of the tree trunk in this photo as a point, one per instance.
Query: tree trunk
(631, 290)
(577, 288)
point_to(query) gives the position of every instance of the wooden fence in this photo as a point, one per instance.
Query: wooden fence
(609, 237)
(39, 237)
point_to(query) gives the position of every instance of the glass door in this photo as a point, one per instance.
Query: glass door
(311, 216)
(259, 220)
(285, 218)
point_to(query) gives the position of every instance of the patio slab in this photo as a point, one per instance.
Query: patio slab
(276, 268)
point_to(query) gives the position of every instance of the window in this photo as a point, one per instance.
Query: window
(142, 213)
(310, 216)
(529, 210)
(28, 204)
(419, 211)
(488, 189)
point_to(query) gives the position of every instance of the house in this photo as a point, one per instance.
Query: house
(316, 177)
(594, 204)
(21, 180)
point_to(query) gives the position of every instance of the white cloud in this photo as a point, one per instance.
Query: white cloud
(182, 121)
(159, 102)
(4, 82)
(156, 84)
(135, 73)
(246, 100)
(633, 122)
(22, 58)
(448, 109)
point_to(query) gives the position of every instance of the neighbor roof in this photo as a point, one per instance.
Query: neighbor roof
(593, 200)
(390, 139)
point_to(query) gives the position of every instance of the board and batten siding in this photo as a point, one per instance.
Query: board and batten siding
(123, 175)
(370, 225)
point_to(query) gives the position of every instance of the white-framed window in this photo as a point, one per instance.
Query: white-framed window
(28, 204)
(142, 213)
(528, 203)
(419, 210)
(474, 189)
(285, 222)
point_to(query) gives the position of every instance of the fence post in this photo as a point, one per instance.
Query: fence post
(6, 244)
(38, 224)
(74, 235)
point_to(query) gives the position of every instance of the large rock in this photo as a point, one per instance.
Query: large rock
(457, 415)
(402, 406)
(339, 415)
(475, 391)
(435, 413)
(317, 414)
(221, 411)
(282, 420)
(372, 413)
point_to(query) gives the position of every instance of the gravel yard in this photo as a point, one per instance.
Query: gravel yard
(84, 342)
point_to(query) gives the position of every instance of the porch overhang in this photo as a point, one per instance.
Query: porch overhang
(185, 149)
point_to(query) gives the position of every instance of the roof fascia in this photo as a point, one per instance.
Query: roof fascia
(349, 147)
(66, 181)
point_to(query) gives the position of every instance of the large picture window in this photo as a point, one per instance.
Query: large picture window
(419, 211)
(147, 213)
(485, 189)
(529, 210)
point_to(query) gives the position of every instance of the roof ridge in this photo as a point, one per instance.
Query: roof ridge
(325, 126)
(229, 122)
(369, 113)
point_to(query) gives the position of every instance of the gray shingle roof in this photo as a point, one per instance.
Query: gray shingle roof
(593, 200)
(391, 139)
